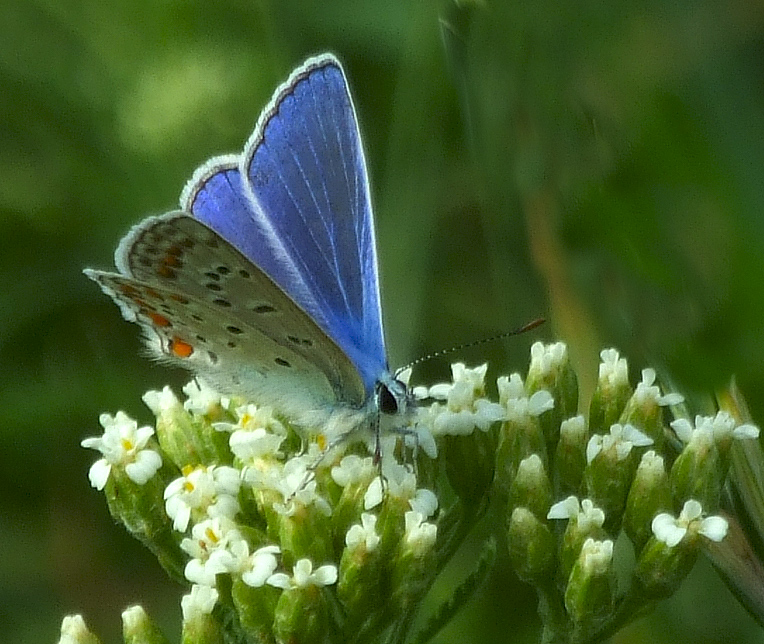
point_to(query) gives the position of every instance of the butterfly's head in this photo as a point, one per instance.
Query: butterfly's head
(393, 397)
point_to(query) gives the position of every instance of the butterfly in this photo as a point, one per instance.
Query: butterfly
(265, 282)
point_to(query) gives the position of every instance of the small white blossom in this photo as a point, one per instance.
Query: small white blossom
(199, 602)
(707, 429)
(208, 547)
(622, 438)
(463, 407)
(613, 370)
(573, 428)
(548, 358)
(587, 515)
(201, 399)
(364, 534)
(672, 530)
(419, 436)
(419, 535)
(255, 568)
(160, 402)
(647, 390)
(516, 402)
(207, 489)
(122, 444)
(353, 469)
(596, 556)
(251, 417)
(400, 482)
(75, 631)
(296, 484)
(303, 576)
(250, 445)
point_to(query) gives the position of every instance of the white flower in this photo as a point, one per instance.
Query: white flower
(160, 402)
(251, 417)
(353, 470)
(464, 405)
(671, 531)
(207, 489)
(122, 444)
(400, 482)
(595, 556)
(208, 547)
(647, 390)
(303, 576)
(719, 428)
(295, 482)
(419, 535)
(363, 534)
(573, 428)
(200, 601)
(622, 438)
(613, 370)
(255, 568)
(587, 515)
(725, 427)
(250, 445)
(516, 402)
(201, 399)
(75, 631)
(547, 358)
(420, 436)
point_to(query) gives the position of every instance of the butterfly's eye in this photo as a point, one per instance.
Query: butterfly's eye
(386, 400)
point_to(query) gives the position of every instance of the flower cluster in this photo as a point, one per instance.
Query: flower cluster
(283, 539)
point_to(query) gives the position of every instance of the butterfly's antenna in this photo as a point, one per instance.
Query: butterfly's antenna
(469, 345)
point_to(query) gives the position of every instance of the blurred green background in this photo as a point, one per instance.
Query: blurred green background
(600, 164)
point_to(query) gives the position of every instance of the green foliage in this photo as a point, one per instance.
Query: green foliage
(596, 163)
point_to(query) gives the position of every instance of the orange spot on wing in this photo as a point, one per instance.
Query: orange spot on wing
(159, 320)
(181, 348)
(152, 293)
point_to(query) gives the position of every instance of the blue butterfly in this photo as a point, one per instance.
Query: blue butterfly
(265, 282)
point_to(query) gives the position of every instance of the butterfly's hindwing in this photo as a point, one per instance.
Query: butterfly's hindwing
(195, 291)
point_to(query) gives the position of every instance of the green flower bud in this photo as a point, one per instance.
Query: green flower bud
(256, 608)
(521, 434)
(672, 550)
(531, 488)
(550, 369)
(531, 545)
(361, 567)
(138, 628)
(353, 475)
(649, 495)
(141, 509)
(570, 456)
(645, 408)
(610, 469)
(590, 593)
(660, 569)
(585, 522)
(469, 465)
(303, 610)
(697, 471)
(185, 438)
(413, 562)
(306, 532)
(611, 394)
(74, 631)
(200, 626)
